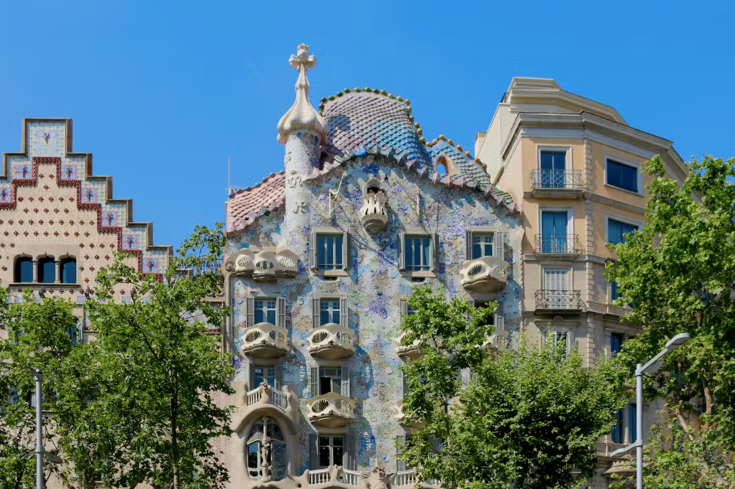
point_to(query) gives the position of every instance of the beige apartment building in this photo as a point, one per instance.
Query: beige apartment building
(572, 166)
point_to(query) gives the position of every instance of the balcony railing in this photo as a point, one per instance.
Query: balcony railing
(332, 341)
(556, 179)
(558, 243)
(275, 396)
(264, 340)
(558, 300)
(330, 410)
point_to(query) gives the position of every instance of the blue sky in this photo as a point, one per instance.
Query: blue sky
(162, 92)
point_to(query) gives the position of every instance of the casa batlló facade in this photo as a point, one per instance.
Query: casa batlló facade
(322, 256)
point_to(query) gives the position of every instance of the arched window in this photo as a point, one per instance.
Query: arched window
(46, 270)
(68, 271)
(441, 168)
(266, 450)
(23, 270)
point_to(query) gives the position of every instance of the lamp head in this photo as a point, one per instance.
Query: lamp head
(677, 341)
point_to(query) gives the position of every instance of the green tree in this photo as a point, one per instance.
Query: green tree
(527, 417)
(162, 371)
(679, 273)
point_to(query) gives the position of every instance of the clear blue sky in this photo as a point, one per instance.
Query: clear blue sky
(162, 92)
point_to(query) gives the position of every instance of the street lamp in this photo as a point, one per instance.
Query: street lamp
(650, 367)
(39, 424)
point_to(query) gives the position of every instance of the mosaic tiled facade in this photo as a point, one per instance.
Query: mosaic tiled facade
(365, 145)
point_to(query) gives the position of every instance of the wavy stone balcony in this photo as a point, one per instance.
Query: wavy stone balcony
(263, 266)
(404, 420)
(373, 213)
(267, 394)
(337, 476)
(265, 340)
(330, 410)
(487, 274)
(332, 342)
(408, 351)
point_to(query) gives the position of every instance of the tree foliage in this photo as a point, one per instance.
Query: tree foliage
(139, 404)
(679, 273)
(526, 417)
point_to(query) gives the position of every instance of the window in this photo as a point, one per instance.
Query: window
(418, 254)
(614, 290)
(632, 423)
(267, 374)
(325, 380)
(331, 451)
(23, 270)
(329, 312)
(482, 245)
(46, 270)
(328, 450)
(622, 176)
(266, 431)
(616, 230)
(68, 271)
(401, 440)
(265, 311)
(562, 339)
(554, 231)
(616, 343)
(329, 252)
(556, 279)
(553, 166)
(616, 434)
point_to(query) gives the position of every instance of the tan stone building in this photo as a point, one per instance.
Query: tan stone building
(572, 167)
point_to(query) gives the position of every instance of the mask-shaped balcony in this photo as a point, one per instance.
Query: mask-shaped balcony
(408, 351)
(404, 420)
(330, 410)
(265, 340)
(332, 342)
(263, 266)
(486, 274)
(373, 213)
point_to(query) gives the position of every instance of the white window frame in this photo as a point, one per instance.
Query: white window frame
(331, 447)
(556, 149)
(570, 280)
(497, 233)
(625, 162)
(571, 337)
(317, 232)
(410, 233)
(617, 217)
(265, 310)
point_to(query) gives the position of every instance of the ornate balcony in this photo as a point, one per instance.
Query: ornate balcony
(337, 476)
(556, 184)
(558, 301)
(558, 244)
(267, 394)
(330, 410)
(332, 342)
(373, 213)
(403, 419)
(262, 265)
(265, 340)
(487, 274)
(408, 351)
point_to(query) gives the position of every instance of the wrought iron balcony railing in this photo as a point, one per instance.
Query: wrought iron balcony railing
(558, 243)
(556, 179)
(559, 300)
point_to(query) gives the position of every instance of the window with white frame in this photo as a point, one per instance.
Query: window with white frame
(482, 245)
(418, 253)
(329, 250)
(265, 311)
(324, 380)
(326, 450)
(563, 339)
(482, 241)
(622, 176)
(329, 311)
(270, 310)
(556, 279)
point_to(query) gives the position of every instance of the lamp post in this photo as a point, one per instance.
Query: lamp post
(39, 425)
(649, 367)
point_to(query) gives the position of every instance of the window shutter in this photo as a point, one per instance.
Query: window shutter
(346, 381)
(314, 381)
(405, 384)
(401, 251)
(315, 305)
(571, 342)
(250, 312)
(400, 441)
(468, 244)
(343, 313)
(404, 307)
(435, 253)
(279, 377)
(499, 324)
(313, 451)
(281, 310)
(345, 251)
(248, 375)
(312, 251)
(348, 459)
(498, 245)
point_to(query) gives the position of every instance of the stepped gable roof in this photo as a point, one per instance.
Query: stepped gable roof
(245, 205)
(363, 122)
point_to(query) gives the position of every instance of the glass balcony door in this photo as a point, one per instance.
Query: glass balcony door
(553, 167)
(554, 231)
